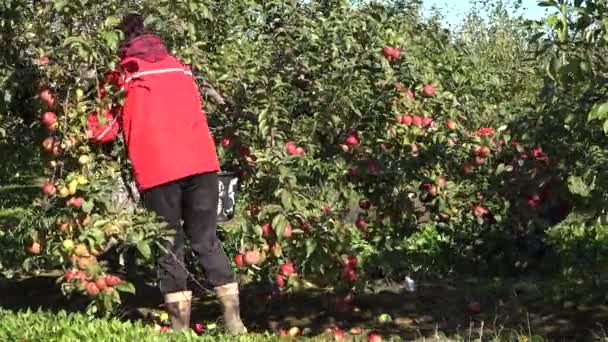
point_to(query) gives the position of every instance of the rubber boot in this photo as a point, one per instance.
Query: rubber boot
(178, 305)
(228, 296)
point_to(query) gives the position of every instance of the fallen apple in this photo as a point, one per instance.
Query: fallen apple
(374, 337)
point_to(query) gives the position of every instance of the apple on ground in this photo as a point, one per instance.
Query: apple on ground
(339, 334)
(374, 337)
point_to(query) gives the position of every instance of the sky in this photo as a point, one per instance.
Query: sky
(456, 8)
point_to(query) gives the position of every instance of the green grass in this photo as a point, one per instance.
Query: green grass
(30, 326)
(44, 326)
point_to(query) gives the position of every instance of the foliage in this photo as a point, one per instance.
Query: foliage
(383, 143)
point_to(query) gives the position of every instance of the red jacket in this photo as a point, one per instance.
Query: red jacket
(163, 122)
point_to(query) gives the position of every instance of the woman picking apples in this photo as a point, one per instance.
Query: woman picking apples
(175, 167)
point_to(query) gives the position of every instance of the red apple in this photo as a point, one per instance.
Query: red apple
(101, 283)
(92, 289)
(479, 211)
(480, 160)
(49, 119)
(226, 142)
(287, 269)
(361, 224)
(451, 124)
(49, 189)
(252, 257)
(113, 280)
(534, 201)
(391, 53)
(414, 148)
(75, 202)
(299, 151)
(35, 248)
(350, 260)
(350, 273)
(417, 121)
(352, 140)
(409, 94)
(405, 120)
(428, 90)
(339, 334)
(238, 260)
(267, 230)
(287, 232)
(69, 275)
(484, 151)
(279, 280)
(442, 181)
(47, 97)
(374, 337)
(426, 121)
(291, 148)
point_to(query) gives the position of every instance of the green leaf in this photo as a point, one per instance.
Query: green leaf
(279, 223)
(578, 187)
(126, 287)
(286, 199)
(311, 246)
(60, 4)
(87, 207)
(144, 249)
(500, 169)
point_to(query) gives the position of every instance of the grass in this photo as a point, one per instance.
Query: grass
(45, 326)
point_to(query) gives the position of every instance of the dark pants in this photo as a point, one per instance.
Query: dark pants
(194, 200)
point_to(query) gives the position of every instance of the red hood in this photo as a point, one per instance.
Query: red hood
(148, 47)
